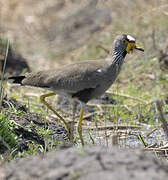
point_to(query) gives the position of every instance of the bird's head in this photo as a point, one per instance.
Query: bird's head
(126, 44)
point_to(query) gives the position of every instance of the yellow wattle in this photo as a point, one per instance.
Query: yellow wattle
(129, 47)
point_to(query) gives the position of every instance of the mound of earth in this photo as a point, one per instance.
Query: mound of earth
(26, 130)
(15, 63)
(86, 164)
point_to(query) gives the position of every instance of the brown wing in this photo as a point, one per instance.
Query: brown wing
(79, 76)
(72, 77)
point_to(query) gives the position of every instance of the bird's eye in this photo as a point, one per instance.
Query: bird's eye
(124, 41)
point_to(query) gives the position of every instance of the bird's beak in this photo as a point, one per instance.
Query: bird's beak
(132, 45)
(139, 48)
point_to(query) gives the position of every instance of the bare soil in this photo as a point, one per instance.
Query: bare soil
(86, 164)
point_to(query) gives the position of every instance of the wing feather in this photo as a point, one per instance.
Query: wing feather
(72, 78)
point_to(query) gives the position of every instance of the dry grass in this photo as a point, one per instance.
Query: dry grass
(141, 76)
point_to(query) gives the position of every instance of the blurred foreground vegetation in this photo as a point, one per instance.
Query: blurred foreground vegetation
(140, 83)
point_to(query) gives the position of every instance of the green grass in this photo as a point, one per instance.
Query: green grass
(8, 139)
(141, 76)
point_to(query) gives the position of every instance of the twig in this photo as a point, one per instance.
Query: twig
(113, 105)
(164, 123)
(156, 149)
(127, 96)
(2, 76)
(152, 131)
(111, 127)
(153, 36)
(150, 102)
(90, 114)
(93, 142)
(114, 139)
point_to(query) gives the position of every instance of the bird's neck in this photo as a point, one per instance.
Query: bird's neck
(116, 59)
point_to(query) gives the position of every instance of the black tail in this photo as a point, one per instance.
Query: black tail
(16, 79)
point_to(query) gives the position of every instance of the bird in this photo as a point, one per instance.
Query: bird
(81, 81)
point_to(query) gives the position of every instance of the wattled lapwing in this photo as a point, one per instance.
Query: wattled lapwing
(81, 81)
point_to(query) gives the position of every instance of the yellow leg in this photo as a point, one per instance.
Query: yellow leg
(42, 99)
(80, 126)
(74, 107)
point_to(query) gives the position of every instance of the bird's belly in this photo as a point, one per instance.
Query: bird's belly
(62, 93)
(99, 91)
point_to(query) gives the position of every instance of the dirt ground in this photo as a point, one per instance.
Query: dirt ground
(49, 34)
(86, 164)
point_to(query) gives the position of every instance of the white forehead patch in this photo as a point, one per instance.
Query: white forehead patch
(130, 38)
